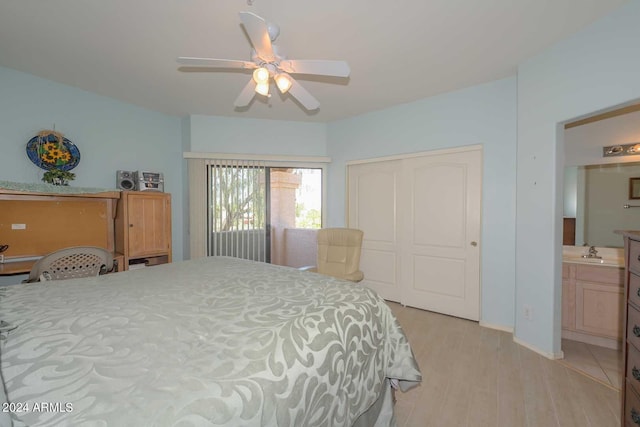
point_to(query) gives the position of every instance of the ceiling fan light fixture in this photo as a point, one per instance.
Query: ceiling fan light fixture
(283, 81)
(269, 62)
(263, 88)
(261, 75)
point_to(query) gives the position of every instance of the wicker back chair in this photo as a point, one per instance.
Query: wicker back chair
(71, 263)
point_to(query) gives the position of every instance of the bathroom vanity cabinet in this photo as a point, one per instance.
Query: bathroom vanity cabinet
(592, 304)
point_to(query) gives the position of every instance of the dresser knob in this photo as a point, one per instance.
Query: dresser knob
(636, 330)
(638, 292)
(636, 373)
(635, 416)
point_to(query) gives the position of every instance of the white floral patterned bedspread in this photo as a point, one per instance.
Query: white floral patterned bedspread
(210, 342)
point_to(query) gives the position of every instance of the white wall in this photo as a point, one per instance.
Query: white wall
(483, 114)
(110, 135)
(595, 69)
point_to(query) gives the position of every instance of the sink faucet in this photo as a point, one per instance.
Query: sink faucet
(593, 253)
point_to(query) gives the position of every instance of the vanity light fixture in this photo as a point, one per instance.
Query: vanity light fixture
(632, 149)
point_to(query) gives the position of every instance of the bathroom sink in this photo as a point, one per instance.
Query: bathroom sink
(603, 261)
(584, 260)
(610, 257)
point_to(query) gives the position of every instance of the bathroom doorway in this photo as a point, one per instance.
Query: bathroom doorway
(596, 190)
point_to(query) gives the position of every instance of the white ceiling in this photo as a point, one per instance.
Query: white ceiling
(399, 50)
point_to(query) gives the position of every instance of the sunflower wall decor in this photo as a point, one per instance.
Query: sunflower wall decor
(51, 151)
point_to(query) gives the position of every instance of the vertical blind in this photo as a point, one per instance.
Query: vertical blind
(200, 165)
(237, 212)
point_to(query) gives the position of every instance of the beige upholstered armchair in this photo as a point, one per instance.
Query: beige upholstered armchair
(339, 253)
(71, 263)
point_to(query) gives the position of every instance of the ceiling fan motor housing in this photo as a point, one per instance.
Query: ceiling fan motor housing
(277, 51)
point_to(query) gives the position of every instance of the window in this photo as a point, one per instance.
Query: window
(260, 212)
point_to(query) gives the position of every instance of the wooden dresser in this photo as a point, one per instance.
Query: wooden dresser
(630, 393)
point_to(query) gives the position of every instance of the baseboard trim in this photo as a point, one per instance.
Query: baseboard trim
(496, 327)
(611, 343)
(553, 356)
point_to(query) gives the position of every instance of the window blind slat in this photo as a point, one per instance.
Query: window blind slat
(236, 217)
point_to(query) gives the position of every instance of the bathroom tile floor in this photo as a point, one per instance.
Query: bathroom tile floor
(600, 363)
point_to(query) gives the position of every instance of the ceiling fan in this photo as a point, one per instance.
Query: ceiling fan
(268, 62)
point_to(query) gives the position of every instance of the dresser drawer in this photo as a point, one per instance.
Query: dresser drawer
(634, 253)
(634, 289)
(631, 407)
(633, 326)
(633, 367)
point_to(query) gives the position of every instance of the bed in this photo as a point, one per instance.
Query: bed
(210, 342)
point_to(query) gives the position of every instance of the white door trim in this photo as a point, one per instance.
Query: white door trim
(418, 154)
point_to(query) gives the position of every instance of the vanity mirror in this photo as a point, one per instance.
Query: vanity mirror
(596, 196)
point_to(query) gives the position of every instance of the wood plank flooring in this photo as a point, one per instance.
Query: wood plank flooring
(475, 376)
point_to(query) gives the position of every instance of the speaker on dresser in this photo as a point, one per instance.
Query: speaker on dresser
(150, 181)
(126, 180)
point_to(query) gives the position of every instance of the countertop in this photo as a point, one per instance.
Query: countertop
(611, 257)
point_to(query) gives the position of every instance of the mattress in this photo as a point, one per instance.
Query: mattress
(210, 342)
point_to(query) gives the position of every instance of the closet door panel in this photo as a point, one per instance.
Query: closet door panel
(373, 194)
(440, 205)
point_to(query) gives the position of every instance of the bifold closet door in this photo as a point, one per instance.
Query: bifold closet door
(421, 221)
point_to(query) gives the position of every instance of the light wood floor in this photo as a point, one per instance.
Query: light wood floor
(600, 363)
(475, 376)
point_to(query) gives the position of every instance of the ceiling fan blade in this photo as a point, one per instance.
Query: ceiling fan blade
(316, 67)
(216, 63)
(256, 28)
(246, 95)
(304, 97)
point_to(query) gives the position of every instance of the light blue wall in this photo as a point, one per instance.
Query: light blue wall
(483, 114)
(215, 134)
(595, 69)
(186, 147)
(110, 135)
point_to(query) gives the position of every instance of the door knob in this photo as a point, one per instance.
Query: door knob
(474, 243)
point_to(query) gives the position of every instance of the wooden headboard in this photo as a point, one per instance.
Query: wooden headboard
(37, 224)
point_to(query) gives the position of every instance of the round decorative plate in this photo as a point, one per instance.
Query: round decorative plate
(47, 153)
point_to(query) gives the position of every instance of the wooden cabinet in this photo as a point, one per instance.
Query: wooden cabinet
(592, 304)
(143, 228)
(631, 331)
